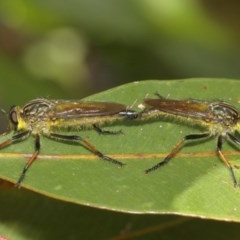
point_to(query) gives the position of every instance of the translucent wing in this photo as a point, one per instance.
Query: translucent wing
(187, 108)
(217, 112)
(78, 109)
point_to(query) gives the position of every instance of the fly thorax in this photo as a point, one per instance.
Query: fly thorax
(223, 114)
(34, 114)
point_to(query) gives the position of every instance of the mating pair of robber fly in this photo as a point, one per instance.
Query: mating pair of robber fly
(43, 117)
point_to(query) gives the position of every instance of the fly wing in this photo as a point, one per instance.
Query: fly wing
(78, 109)
(186, 108)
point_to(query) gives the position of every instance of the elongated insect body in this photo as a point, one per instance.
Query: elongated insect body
(41, 115)
(217, 118)
(46, 117)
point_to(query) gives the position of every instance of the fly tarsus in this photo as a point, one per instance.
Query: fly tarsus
(20, 179)
(106, 132)
(155, 167)
(101, 155)
(109, 159)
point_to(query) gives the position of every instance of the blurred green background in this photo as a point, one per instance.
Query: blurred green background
(71, 49)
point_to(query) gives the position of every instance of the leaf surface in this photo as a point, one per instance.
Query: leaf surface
(194, 183)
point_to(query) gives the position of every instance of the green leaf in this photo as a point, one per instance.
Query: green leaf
(26, 215)
(194, 183)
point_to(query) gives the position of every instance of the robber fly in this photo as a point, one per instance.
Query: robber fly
(46, 117)
(218, 118)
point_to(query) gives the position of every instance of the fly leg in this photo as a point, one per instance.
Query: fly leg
(176, 149)
(127, 114)
(106, 132)
(74, 138)
(18, 137)
(30, 161)
(222, 157)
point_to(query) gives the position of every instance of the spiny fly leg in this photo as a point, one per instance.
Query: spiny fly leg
(176, 149)
(18, 137)
(106, 132)
(222, 157)
(167, 158)
(74, 138)
(30, 161)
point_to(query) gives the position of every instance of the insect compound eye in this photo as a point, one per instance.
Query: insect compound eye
(13, 115)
